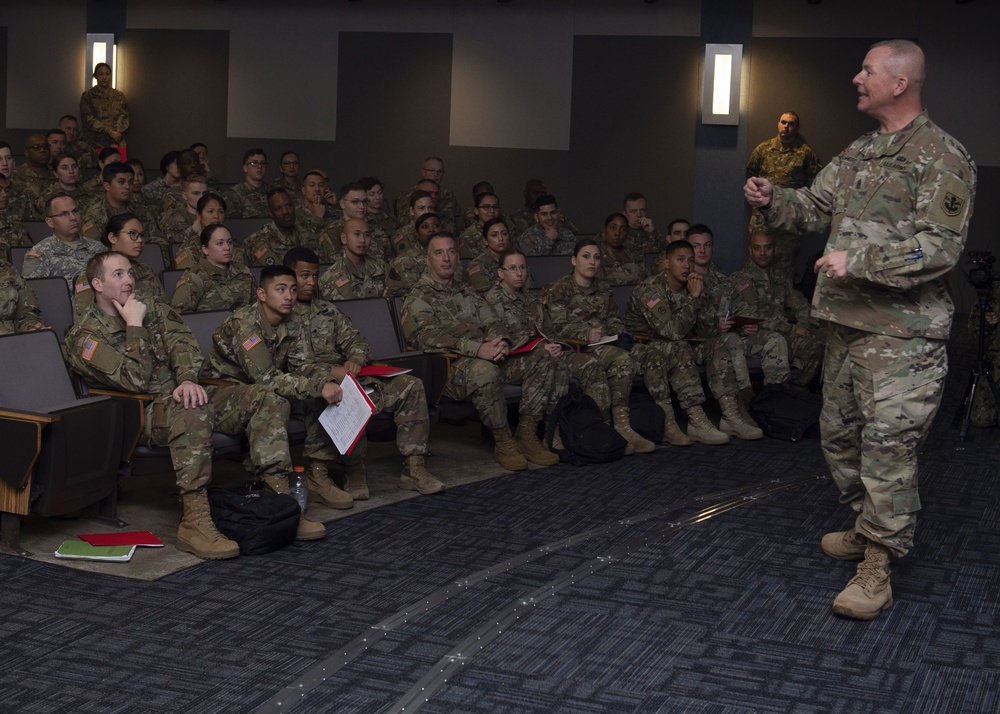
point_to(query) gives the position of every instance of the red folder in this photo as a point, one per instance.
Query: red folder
(130, 538)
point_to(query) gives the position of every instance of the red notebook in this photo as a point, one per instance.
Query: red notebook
(382, 370)
(130, 538)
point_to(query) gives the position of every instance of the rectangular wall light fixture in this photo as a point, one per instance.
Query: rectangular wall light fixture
(101, 47)
(721, 100)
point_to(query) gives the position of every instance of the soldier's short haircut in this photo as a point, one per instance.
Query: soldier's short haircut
(312, 173)
(794, 114)
(5, 145)
(440, 234)
(193, 178)
(64, 117)
(582, 243)
(4, 179)
(109, 172)
(252, 152)
(196, 144)
(206, 197)
(352, 186)
(271, 272)
(299, 254)
(633, 196)
(670, 226)
(274, 192)
(58, 158)
(107, 152)
(288, 153)
(510, 251)
(492, 222)
(168, 158)
(52, 132)
(613, 216)
(136, 162)
(207, 231)
(675, 246)
(48, 204)
(370, 182)
(429, 181)
(417, 195)
(698, 229)
(484, 194)
(546, 200)
(434, 158)
(95, 266)
(423, 218)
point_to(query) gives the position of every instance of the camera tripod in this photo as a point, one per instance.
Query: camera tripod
(980, 371)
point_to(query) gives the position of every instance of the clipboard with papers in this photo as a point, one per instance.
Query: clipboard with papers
(345, 422)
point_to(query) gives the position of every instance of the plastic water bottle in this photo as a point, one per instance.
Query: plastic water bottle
(298, 487)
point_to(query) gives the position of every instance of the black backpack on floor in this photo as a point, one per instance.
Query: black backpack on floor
(786, 413)
(645, 416)
(256, 517)
(586, 436)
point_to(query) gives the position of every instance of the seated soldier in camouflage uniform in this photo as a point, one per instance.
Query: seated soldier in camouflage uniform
(117, 179)
(483, 272)
(155, 192)
(248, 199)
(353, 205)
(442, 315)
(546, 236)
(267, 344)
(667, 309)
(354, 273)
(67, 173)
(130, 344)
(619, 264)
(64, 253)
(79, 149)
(470, 243)
(216, 282)
(211, 211)
(445, 202)
(17, 202)
(187, 166)
(19, 310)
(123, 234)
(13, 234)
(337, 344)
(763, 291)
(523, 219)
(641, 237)
(582, 310)
(676, 230)
(34, 176)
(175, 220)
(201, 150)
(312, 211)
(288, 174)
(984, 406)
(56, 139)
(407, 268)
(374, 213)
(269, 245)
(421, 203)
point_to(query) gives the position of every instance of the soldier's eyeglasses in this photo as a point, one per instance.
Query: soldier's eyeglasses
(136, 236)
(516, 269)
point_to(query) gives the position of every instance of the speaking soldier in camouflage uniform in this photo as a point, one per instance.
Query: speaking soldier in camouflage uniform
(354, 273)
(126, 343)
(216, 282)
(762, 290)
(667, 309)
(13, 234)
(338, 345)
(249, 199)
(267, 344)
(748, 341)
(64, 253)
(269, 245)
(620, 265)
(984, 406)
(546, 236)
(897, 204)
(19, 310)
(442, 315)
(582, 310)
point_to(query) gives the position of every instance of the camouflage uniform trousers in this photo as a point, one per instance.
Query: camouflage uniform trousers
(480, 381)
(880, 395)
(769, 346)
(586, 369)
(677, 361)
(253, 409)
(404, 396)
(619, 371)
(805, 355)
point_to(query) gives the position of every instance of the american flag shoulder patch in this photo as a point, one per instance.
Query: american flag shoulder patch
(744, 284)
(251, 342)
(83, 287)
(260, 251)
(473, 269)
(342, 281)
(89, 349)
(653, 302)
(88, 226)
(34, 253)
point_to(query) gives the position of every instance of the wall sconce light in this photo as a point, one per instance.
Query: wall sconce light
(721, 101)
(101, 47)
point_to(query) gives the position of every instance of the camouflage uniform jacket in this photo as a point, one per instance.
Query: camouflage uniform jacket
(524, 219)
(51, 257)
(769, 294)
(344, 280)
(246, 201)
(534, 242)
(156, 191)
(310, 221)
(329, 246)
(333, 338)
(175, 221)
(147, 285)
(406, 269)
(482, 275)
(640, 241)
(792, 167)
(101, 111)
(294, 187)
(521, 312)
(19, 310)
(86, 157)
(247, 349)
(657, 311)
(205, 287)
(622, 266)
(268, 245)
(448, 318)
(79, 194)
(471, 244)
(13, 234)
(405, 239)
(899, 204)
(152, 359)
(96, 216)
(574, 310)
(31, 183)
(717, 288)
(385, 222)
(189, 252)
(447, 209)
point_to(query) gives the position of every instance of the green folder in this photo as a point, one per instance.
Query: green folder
(82, 550)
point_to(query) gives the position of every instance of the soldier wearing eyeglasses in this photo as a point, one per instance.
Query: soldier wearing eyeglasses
(64, 253)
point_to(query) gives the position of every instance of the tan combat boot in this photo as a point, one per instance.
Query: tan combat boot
(672, 433)
(701, 430)
(732, 422)
(197, 533)
(844, 545)
(505, 451)
(636, 444)
(528, 444)
(356, 483)
(308, 529)
(744, 399)
(868, 593)
(323, 489)
(417, 478)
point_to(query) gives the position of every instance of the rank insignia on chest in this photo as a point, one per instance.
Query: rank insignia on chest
(952, 204)
(653, 302)
(342, 281)
(251, 342)
(89, 349)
